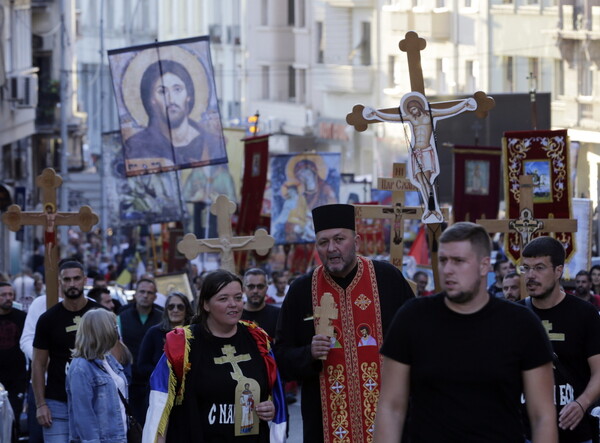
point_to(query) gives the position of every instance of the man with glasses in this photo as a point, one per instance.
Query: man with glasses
(256, 309)
(134, 322)
(573, 327)
(54, 338)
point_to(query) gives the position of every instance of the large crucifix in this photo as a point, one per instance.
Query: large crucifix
(48, 182)
(527, 225)
(226, 243)
(414, 109)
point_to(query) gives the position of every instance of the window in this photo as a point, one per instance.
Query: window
(391, 71)
(301, 85)
(265, 72)
(559, 78)
(587, 80)
(471, 68)
(300, 13)
(291, 12)
(291, 83)
(442, 70)
(365, 44)
(508, 74)
(264, 12)
(320, 38)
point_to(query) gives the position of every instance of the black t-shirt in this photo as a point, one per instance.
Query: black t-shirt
(55, 332)
(12, 359)
(207, 412)
(573, 327)
(266, 318)
(466, 370)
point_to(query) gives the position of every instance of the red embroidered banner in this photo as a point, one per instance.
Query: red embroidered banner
(545, 156)
(476, 182)
(256, 161)
(351, 375)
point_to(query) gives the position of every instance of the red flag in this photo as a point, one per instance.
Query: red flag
(419, 248)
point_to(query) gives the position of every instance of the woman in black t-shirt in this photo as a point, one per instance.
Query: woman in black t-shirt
(228, 374)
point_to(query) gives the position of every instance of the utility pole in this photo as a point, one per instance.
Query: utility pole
(103, 153)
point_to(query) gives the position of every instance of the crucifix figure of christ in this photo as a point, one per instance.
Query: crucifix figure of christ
(527, 225)
(226, 243)
(48, 182)
(324, 313)
(415, 110)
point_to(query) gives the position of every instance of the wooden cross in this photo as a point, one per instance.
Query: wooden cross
(230, 357)
(397, 212)
(324, 313)
(224, 208)
(424, 166)
(48, 182)
(526, 225)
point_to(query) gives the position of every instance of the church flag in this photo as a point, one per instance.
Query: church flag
(544, 155)
(476, 182)
(300, 183)
(256, 162)
(168, 106)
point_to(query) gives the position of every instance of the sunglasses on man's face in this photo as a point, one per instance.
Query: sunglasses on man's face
(179, 307)
(259, 286)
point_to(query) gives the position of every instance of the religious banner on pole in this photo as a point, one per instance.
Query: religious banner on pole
(583, 212)
(300, 183)
(543, 155)
(168, 108)
(256, 163)
(142, 200)
(476, 182)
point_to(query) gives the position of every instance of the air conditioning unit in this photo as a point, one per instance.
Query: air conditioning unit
(23, 92)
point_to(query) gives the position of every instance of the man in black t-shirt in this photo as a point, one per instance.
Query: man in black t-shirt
(13, 372)
(54, 338)
(573, 327)
(462, 368)
(256, 309)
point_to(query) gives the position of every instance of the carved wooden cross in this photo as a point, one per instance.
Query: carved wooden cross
(48, 182)
(526, 225)
(397, 212)
(230, 357)
(224, 208)
(324, 313)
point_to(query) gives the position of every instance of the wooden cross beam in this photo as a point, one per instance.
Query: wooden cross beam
(397, 212)
(48, 182)
(324, 313)
(526, 225)
(226, 243)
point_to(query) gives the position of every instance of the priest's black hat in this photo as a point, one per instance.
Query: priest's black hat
(333, 217)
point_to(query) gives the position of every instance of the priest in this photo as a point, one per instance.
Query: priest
(340, 374)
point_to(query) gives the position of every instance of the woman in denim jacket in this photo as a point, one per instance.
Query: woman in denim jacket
(96, 413)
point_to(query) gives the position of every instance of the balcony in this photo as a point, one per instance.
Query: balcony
(433, 23)
(346, 78)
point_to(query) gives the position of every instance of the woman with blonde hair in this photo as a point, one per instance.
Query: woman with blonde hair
(96, 382)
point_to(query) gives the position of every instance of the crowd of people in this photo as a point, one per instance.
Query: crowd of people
(515, 361)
